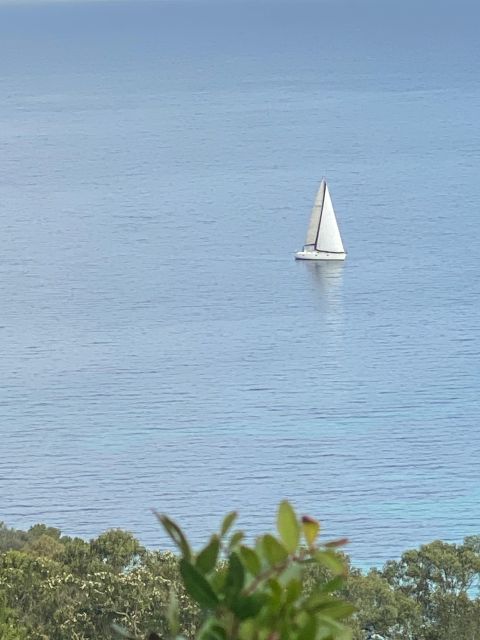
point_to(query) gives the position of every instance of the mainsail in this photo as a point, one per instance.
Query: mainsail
(314, 223)
(328, 236)
(323, 233)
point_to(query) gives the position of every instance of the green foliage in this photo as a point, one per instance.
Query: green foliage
(54, 587)
(439, 579)
(258, 592)
(10, 629)
(118, 549)
(379, 606)
(60, 588)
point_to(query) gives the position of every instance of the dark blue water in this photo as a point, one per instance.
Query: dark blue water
(159, 345)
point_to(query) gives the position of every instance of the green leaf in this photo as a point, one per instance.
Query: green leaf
(332, 585)
(197, 586)
(308, 630)
(212, 631)
(328, 606)
(237, 537)
(292, 572)
(332, 561)
(317, 600)
(274, 552)
(293, 591)
(331, 630)
(249, 630)
(311, 529)
(343, 633)
(276, 599)
(172, 614)
(339, 610)
(288, 527)
(227, 523)
(176, 534)
(235, 578)
(251, 560)
(207, 558)
(248, 606)
(217, 579)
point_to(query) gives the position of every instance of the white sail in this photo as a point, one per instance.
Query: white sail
(323, 240)
(328, 236)
(314, 223)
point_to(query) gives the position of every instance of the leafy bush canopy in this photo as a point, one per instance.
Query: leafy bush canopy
(54, 587)
(257, 592)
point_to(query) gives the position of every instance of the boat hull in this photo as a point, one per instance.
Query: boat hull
(319, 255)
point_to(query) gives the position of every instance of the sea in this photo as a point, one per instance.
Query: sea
(160, 348)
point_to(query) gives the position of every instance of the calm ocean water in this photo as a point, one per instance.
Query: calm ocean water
(159, 345)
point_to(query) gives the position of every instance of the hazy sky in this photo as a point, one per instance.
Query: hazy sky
(43, 1)
(17, 2)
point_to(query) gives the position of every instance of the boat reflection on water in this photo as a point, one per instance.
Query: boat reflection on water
(324, 292)
(327, 279)
(326, 284)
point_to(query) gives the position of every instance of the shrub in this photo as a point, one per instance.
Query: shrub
(258, 592)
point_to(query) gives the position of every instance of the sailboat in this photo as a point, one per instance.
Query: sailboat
(323, 240)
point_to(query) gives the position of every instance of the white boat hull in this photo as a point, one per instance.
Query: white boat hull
(319, 255)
